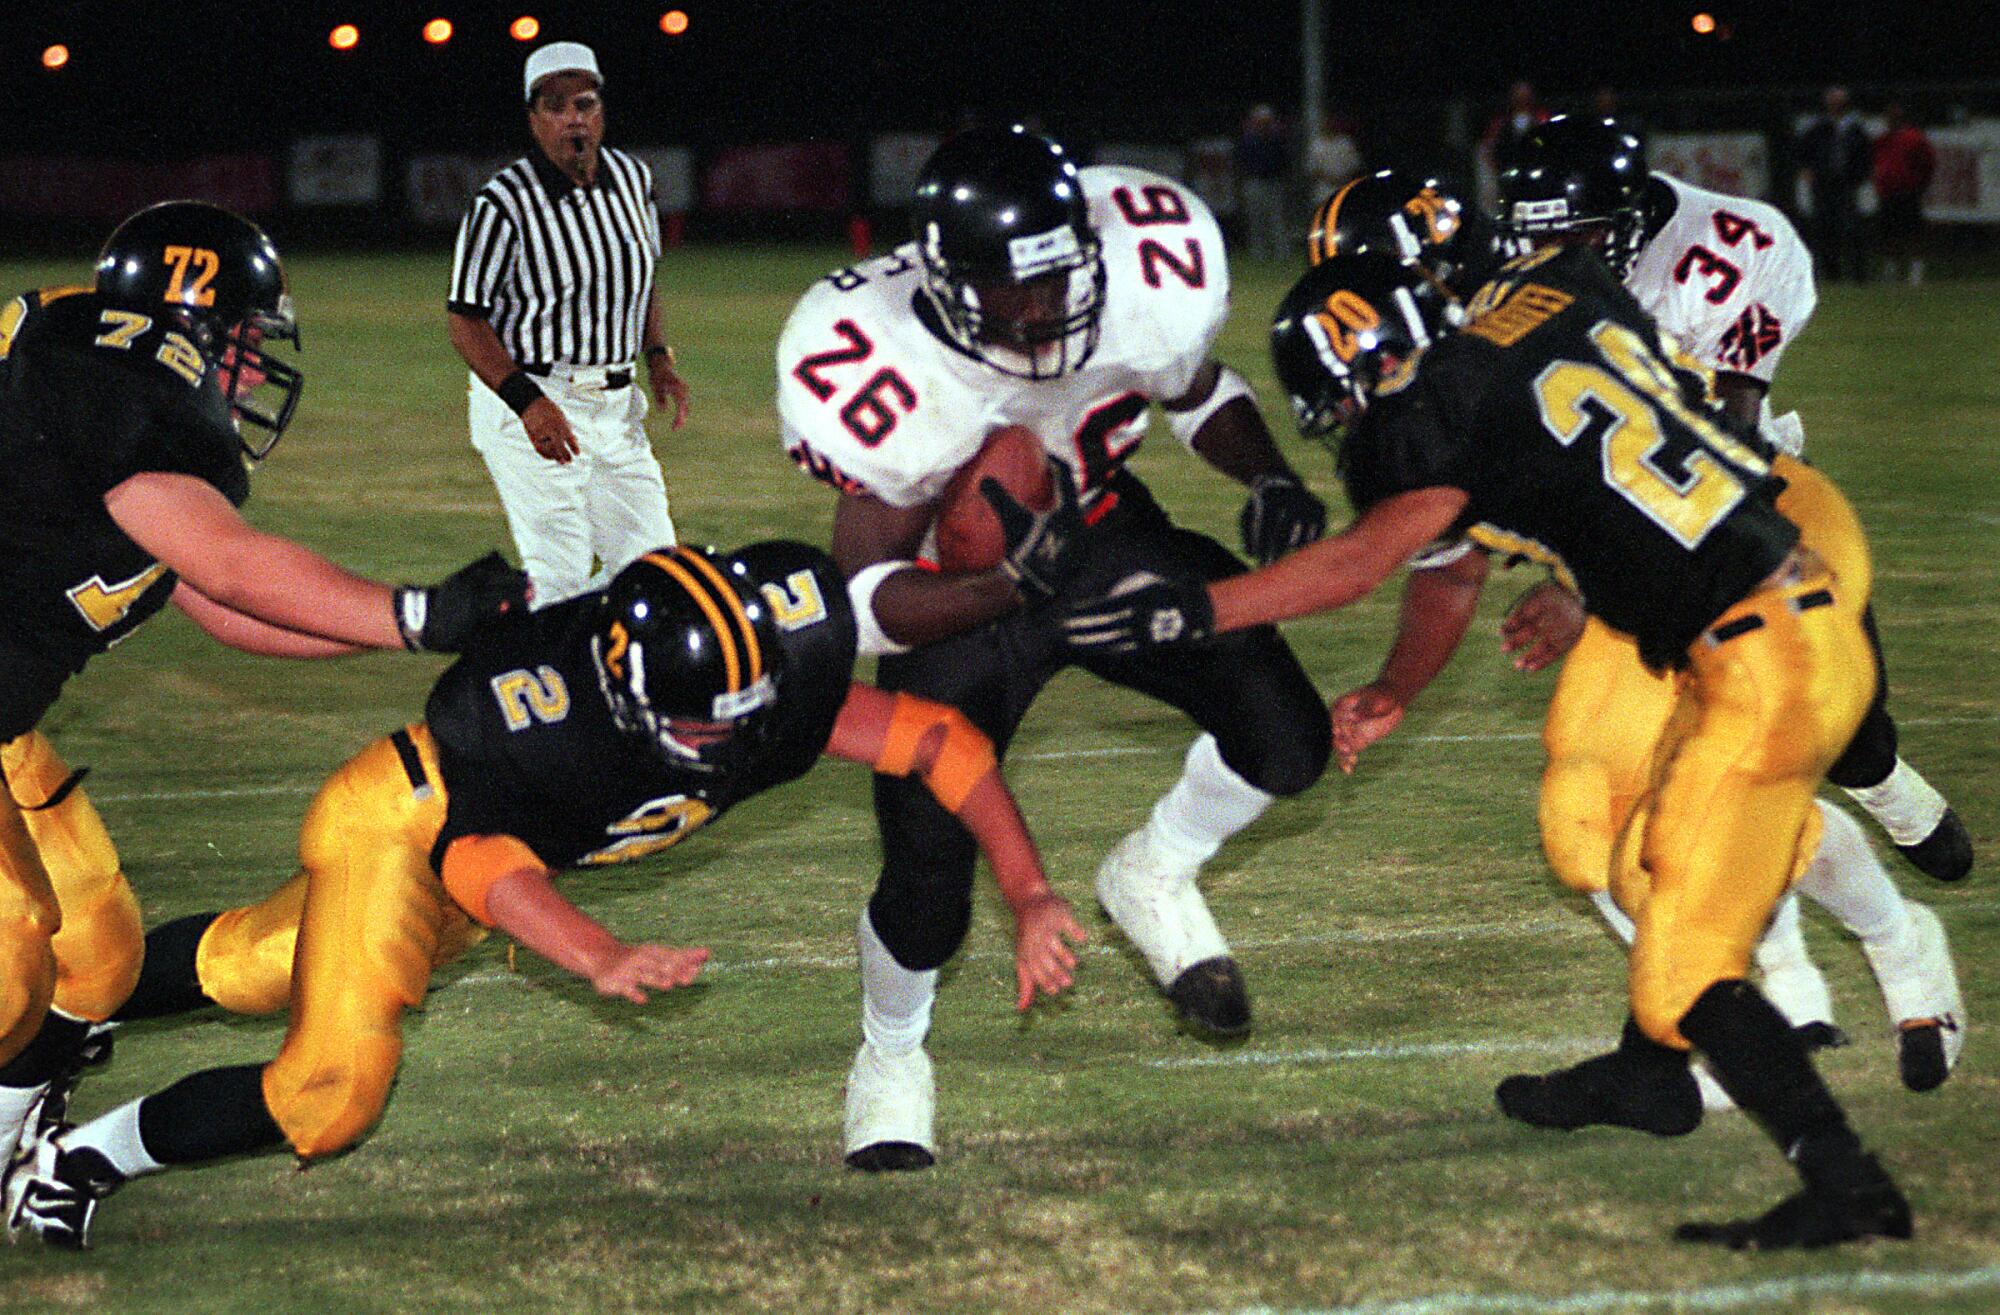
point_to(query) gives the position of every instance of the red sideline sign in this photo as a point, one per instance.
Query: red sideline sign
(793, 176)
(77, 187)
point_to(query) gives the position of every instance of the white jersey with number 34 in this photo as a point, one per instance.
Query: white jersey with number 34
(872, 401)
(1728, 277)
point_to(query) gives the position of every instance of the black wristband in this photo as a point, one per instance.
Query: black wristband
(519, 391)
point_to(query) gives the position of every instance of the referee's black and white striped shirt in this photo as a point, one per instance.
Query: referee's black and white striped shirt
(561, 272)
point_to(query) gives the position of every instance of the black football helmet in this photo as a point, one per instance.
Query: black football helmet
(1413, 218)
(688, 657)
(1004, 209)
(1352, 326)
(218, 275)
(1574, 174)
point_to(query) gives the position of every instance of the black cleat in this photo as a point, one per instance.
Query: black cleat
(1921, 1055)
(1211, 997)
(1946, 853)
(1821, 1036)
(890, 1157)
(1609, 1089)
(1857, 1201)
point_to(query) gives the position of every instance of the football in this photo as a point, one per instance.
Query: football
(968, 533)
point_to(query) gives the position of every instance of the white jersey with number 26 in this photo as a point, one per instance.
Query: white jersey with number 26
(1728, 277)
(871, 401)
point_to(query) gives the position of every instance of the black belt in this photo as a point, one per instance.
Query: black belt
(613, 379)
(413, 763)
(1744, 625)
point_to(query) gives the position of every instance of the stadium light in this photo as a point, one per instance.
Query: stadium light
(55, 57)
(437, 31)
(674, 22)
(345, 37)
(1703, 23)
(525, 28)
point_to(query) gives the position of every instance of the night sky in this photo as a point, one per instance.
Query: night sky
(145, 78)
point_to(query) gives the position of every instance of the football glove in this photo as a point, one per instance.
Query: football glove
(1282, 514)
(1141, 611)
(439, 618)
(1041, 545)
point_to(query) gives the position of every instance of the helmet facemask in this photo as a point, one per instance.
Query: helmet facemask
(262, 391)
(1044, 346)
(719, 737)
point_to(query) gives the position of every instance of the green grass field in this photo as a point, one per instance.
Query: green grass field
(548, 1151)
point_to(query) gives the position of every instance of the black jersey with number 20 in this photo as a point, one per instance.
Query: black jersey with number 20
(1558, 411)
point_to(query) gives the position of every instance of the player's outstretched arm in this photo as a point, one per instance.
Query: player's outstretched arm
(1438, 604)
(188, 524)
(902, 735)
(499, 881)
(1218, 418)
(239, 630)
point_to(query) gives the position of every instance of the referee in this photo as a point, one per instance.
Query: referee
(552, 300)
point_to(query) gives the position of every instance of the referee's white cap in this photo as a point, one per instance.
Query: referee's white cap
(561, 57)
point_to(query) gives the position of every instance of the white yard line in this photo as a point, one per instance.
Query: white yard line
(1717, 1297)
(1052, 755)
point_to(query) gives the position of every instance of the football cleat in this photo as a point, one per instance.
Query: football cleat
(1158, 906)
(1946, 853)
(54, 1196)
(1920, 988)
(891, 1110)
(1610, 1089)
(1853, 1201)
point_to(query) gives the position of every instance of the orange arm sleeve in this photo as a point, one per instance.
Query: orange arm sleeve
(473, 863)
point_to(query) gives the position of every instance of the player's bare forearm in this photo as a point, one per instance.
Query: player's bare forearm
(1438, 605)
(191, 527)
(1337, 570)
(527, 906)
(914, 606)
(1235, 440)
(246, 633)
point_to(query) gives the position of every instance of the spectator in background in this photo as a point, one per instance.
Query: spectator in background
(1904, 163)
(1263, 152)
(1332, 158)
(1500, 145)
(1834, 161)
(1605, 103)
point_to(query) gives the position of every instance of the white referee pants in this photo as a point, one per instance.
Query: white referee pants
(606, 507)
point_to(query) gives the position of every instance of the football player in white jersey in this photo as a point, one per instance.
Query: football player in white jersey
(1068, 301)
(1729, 280)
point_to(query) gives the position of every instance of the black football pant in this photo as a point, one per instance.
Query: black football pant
(1246, 689)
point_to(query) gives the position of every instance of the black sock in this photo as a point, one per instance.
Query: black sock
(50, 1053)
(207, 1115)
(168, 983)
(1637, 1048)
(1763, 1066)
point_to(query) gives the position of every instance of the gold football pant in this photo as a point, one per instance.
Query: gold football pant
(350, 943)
(1774, 692)
(70, 933)
(1609, 711)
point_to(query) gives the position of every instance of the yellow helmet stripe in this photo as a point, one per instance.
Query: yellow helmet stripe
(732, 666)
(733, 602)
(1324, 222)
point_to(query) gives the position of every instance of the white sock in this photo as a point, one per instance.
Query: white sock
(15, 1102)
(1614, 917)
(1209, 804)
(115, 1136)
(895, 1002)
(1848, 881)
(1791, 981)
(1903, 803)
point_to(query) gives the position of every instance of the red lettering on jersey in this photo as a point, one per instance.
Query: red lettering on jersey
(1098, 456)
(868, 415)
(1192, 271)
(1732, 229)
(1755, 334)
(1699, 260)
(858, 348)
(825, 471)
(1163, 206)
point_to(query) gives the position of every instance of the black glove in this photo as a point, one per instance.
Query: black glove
(1282, 514)
(1041, 545)
(1141, 611)
(439, 618)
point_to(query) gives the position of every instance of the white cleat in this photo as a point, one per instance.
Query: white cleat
(891, 1111)
(1158, 906)
(1920, 988)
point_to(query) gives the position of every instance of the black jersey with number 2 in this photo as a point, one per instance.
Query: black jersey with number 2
(1558, 411)
(528, 748)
